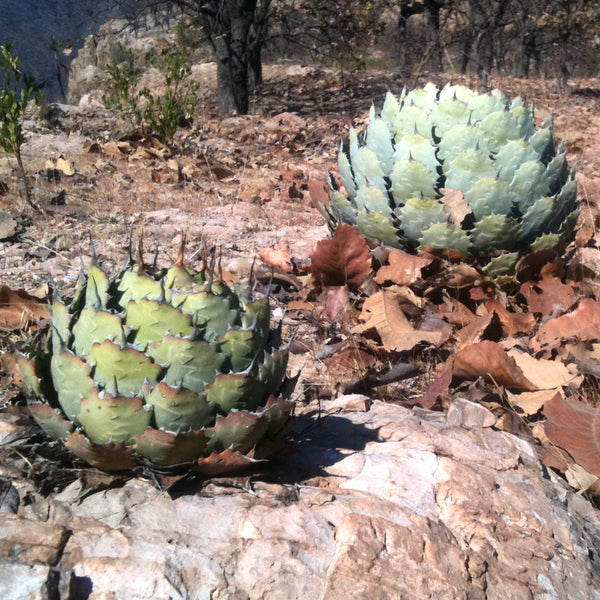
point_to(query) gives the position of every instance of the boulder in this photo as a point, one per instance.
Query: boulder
(376, 502)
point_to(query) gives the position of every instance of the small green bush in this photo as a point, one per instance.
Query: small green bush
(144, 111)
(19, 89)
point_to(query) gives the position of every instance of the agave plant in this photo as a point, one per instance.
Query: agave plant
(168, 368)
(513, 189)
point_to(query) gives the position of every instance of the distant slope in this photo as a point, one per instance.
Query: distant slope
(32, 24)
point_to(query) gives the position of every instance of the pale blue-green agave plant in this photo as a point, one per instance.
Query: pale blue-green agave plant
(168, 368)
(517, 192)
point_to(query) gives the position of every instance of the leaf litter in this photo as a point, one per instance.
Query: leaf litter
(251, 184)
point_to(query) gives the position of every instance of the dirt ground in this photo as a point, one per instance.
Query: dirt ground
(240, 184)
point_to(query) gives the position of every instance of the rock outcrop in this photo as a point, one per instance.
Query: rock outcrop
(379, 503)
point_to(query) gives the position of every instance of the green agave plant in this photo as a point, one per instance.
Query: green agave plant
(168, 368)
(517, 191)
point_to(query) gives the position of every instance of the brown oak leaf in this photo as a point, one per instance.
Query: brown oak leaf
(581, 324)
(403, 269)
(342, 260)
(575, 427)
(550, 296)
(17, 308)
(382, 312)
(490, 361)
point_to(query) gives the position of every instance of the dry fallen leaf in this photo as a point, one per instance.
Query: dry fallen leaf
(318, 192)
(546, 374)
(480, 328)
(455, 312)
(336, 304)
(17, 308)
(530, 403)
(549, 297)
(382, 312)
(455, 204)
(581, 324)
(490, 361)
(575, 427)
(512, 322)
(403, 269)
(342, 260)
(277, 258)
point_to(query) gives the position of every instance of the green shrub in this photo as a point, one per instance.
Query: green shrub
(19, 89)
(146, 112)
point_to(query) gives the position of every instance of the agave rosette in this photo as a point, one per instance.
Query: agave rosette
(168, 368)
(517, 191)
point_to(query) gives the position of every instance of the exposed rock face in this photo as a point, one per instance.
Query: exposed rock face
(33, 24)
(380, 504)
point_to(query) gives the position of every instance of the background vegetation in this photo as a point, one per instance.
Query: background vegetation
(523, 38)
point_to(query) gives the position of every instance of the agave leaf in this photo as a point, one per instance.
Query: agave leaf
(459, 138)
(346, 173)
(223, 462)
(72, 381)
(29, 375)
(456, 92)
(418, 214)
(152, 320)
(445, 235)
(467, 168)
(242, 347)
(257, 315)
(511, 156)
(190, 364)
(178, 278)
(411, 179)
(278, 412)
(108, 457)
(272, 370)
(548, 241)
(375, 225)
(379, 139)
(372, 199)
(239, 431)
(61, 321)
(448, 113)
(390, 110)
(558, 173)
(500, 127)
(412, 119)
(524, 116)
(367, 168)
(496, 231)
(122, 370)
(96, 291)
(424, 98)
(211, 311)
(501, 265)
(236, 391)
(167, 449)
(413, 146)
(538, 217)
(489, 196)
(180, 410)
(135, 285)
(343, 210)
(484, 104)
(113, 419)
(51, 421)
(542, 141)
(96, 325)
(529, 184)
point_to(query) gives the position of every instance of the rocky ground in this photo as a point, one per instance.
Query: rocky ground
(377, 501)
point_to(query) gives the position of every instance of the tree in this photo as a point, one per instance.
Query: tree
(233, 28)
